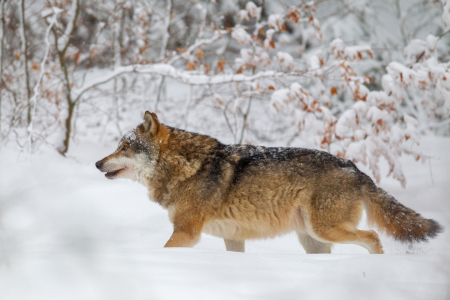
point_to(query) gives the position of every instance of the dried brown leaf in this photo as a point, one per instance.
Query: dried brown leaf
(333, 91)
(200, 54)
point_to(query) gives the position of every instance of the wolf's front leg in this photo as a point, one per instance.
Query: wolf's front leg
(182, 239)
(187, 229)
(233, 245)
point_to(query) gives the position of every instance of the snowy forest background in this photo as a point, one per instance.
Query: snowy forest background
(368, 80)
(361, 79)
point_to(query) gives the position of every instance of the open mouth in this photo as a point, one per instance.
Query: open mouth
(111, 175)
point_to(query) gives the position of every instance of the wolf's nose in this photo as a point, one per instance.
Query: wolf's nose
(99, 164)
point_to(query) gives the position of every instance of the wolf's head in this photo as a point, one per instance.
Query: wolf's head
(137, 153)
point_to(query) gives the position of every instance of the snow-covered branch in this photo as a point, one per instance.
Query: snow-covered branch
(187, 77)
(99, 81)
(63, 41)
(37, 90)
(218, 34)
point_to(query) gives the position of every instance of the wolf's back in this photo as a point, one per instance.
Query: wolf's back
(397, 220)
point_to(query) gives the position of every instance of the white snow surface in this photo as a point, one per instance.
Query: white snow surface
(66, 232)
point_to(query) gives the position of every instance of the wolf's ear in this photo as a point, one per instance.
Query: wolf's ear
(151, 123)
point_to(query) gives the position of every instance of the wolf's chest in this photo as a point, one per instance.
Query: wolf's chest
(227, 229)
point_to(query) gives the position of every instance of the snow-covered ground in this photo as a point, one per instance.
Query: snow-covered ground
(66, 232)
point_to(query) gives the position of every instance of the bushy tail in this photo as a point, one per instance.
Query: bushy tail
(397, 220)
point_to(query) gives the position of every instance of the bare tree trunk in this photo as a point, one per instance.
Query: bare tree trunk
(244, 123)
(70, 103)
(400, 23)
(68, 125)
(164, 45)
(118, 41)
(158, 97)
(120, 38)
(61, 48)
(25, 57)
(116, 105)
(1, 61)
(187, 108)
(166, 36)
(118, 59)
(247, 112)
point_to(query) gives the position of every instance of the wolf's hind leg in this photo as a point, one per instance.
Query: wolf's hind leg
(233, 245)
(335, 212)
(343, 234)
(311, 245)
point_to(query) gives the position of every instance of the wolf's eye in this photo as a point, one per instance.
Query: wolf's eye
(125, 147)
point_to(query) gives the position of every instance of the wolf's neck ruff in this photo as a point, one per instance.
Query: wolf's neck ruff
(241, 192)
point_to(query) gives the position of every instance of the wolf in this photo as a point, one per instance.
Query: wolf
(241, 192)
